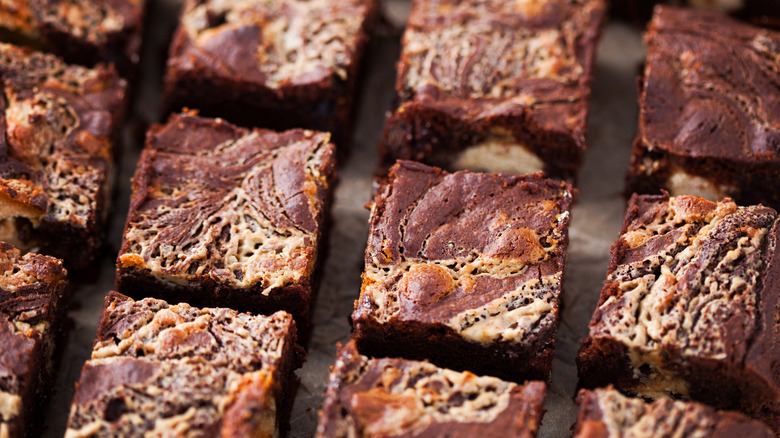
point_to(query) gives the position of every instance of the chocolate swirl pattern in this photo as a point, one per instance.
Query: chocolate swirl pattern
(394, 397)
(689, 308)
(218, 207)
(157, 368)
(56, 152)
(479, 257)
(31, 286)
(610, 414)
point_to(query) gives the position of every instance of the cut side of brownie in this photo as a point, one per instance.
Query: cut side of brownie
(161, 369)
(465, 270)
(226, 216)
(31, 288)
(386, 397)
(709, 110)
(270, 63)
(83, 32)
(690, 306)
(495, 86)
(606, 413)
(59, 124)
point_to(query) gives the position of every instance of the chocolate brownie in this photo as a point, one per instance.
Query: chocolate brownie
(465, 269)
(270, 63)
(690, 306)
(606, 413)
(709, 121)
(31, 288)
(495, 86)
(758, 11)
(405, 398)
(158, 368)
(81, 31)
(58, 128)
(227, 216)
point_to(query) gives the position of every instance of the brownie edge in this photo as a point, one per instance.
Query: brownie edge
(385, 397)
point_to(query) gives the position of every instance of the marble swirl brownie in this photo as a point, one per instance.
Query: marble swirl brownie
(708, 123)
(175, 370)
(227, 217)
(495, 86)
(690, 308)
(465, 269)
(59, 125)
(270, 63)
(81, 31)
(31, 289)
(606, 413)
(386, 397)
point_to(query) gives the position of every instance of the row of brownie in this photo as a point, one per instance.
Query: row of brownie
(466, 269)
(429, 248)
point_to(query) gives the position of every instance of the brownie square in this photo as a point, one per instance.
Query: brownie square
(227, 216)
(606, 413)
(82, 32)
(495, 86)
(690, 306)
(395, 397)
(59, 129)
(709, 109)
(31, 287)
(465, 269)
(158, 368)
(270, 63)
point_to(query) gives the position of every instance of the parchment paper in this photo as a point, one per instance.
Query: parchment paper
(596, 218)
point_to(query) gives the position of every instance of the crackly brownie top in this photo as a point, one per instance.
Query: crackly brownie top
(686, 275)
(158, 367)
(272, 42)
(404, 398)
(156, 330)
(479, 253)
(606, 413)
(56, 147)
(242, 207)
(94, 21)
(30, 286)
(711, 87)
(521, 53)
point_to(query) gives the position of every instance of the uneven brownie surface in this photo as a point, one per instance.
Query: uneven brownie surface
(477, 256)
(708, 108)
(607, 413)
(689, 302)
(158, 367)
(31, 286)
(226, 207)
(56, 152)
(396, 397)
(272, 43)
(516, 73)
